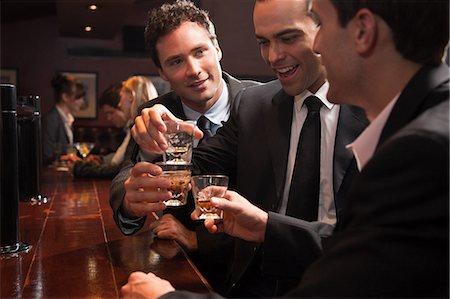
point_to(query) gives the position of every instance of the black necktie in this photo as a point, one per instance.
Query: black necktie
(303, 199)
(205, 125)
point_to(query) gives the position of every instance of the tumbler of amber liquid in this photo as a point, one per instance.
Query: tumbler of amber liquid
(179, 176)
(204, 187)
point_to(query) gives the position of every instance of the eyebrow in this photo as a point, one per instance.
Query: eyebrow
(281, 33)
(170, 58)
(176, 56)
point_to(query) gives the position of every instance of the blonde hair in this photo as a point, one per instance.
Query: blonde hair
(142, 90)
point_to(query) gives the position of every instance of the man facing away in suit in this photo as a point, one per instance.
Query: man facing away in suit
(257, 149)
(183, 45)
(393, 239)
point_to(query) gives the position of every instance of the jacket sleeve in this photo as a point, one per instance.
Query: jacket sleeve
(394, 238)
(301, 239)
(117, 193)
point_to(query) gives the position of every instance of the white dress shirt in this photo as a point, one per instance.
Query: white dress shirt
(329, 115)
(218, 113)
(68, 120)
(364, 146)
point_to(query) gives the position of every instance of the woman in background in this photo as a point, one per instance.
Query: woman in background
(134, 91)
(57, 124)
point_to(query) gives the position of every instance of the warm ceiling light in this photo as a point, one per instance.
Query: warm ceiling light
(93, 7)
(88, 28)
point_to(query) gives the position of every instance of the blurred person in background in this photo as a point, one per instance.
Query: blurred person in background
(57, 124)
(120, 103)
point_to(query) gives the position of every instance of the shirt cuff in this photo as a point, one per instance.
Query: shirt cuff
(129, 225)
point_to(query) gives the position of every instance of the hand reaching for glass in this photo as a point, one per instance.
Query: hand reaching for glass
(204, 187)
(149, 128)
(240, 218)
(145, 190)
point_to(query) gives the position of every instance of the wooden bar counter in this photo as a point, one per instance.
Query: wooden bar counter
(77, 250)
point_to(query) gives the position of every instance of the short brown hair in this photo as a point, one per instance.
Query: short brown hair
(67, 84)
(169, 17)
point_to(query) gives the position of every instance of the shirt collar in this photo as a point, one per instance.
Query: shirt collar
(219, 112)
(364, 146)
(321, 94)
(67, 118)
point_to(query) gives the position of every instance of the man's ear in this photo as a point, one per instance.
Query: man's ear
(366, 31)
(161, 74)
(219, 52)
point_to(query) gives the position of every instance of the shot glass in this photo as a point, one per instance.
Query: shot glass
(179, 176)
(180, 139)
(203, 188)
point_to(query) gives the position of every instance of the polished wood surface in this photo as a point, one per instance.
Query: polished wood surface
(77, 250)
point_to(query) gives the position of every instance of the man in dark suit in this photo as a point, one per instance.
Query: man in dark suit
(183, 45)
(257, 147)
(393, 238)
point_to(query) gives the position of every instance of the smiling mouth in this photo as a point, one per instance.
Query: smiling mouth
(285, 72)
(197, 83)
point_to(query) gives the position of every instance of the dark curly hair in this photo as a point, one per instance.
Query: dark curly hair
(169, 17)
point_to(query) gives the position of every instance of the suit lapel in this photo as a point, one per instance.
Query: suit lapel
(278, 119)
(234, 86)
(173, 103)
(351, 123)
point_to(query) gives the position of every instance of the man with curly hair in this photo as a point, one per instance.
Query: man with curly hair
(183, 45)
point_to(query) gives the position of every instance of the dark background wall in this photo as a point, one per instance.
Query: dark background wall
(35, 48)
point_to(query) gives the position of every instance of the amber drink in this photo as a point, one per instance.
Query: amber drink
(84, 148)
(179, 176)
(204, 187)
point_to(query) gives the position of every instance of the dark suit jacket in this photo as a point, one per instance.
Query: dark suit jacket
(393, 239)
(53, 132)
(252, 149)
(394, 236)
(173, 103)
